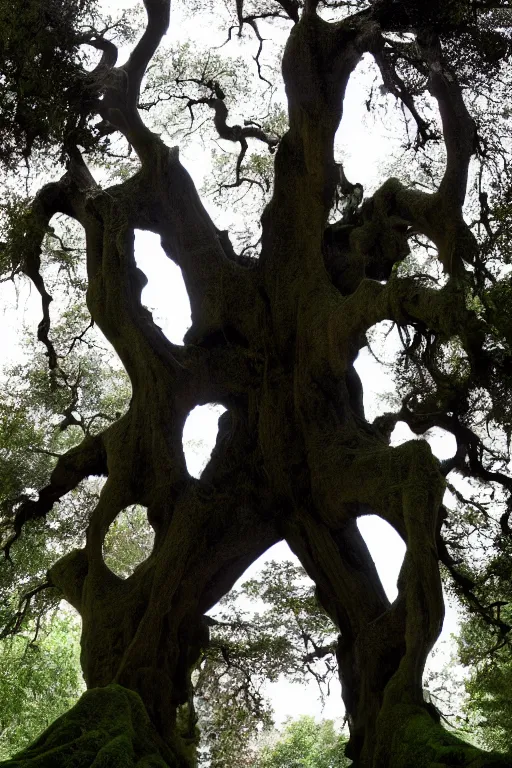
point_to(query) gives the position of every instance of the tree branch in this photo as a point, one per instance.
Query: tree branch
(87, 458)
(14, 625)
(158, 22)
(56, 197)
(466, 586)
(164, 200)
(232, 132)
(291, 8)
(107, 61)
(395, 85)
(320, 652)
(459, 130)
(122, 85)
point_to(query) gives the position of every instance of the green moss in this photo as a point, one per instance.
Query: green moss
(420, 741)
(107, 728)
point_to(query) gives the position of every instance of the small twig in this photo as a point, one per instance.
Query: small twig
(13, 626)
(79, 337)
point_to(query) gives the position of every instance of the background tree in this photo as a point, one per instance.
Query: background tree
(487, 708)
(305, 744)
(271, 628)
(277, 324)
(40, 679)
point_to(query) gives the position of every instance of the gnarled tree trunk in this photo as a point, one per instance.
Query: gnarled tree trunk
(295, 458)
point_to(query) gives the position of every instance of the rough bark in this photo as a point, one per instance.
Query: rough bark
(107, 728)
(295, 456)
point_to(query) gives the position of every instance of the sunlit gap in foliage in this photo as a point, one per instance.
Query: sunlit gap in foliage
(199, 436)
(129, 541)
(165, 294)
(361, 139)
(373, 364)
(386, 548)
(442, 443)
(277, 608)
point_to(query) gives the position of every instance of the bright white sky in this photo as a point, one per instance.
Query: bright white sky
(362, 150)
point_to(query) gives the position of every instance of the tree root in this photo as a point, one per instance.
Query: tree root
(107, 728)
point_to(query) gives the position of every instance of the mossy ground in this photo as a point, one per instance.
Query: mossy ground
(107, 728)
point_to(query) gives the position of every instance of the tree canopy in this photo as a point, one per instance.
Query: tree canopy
(300, 273)
(307, 744)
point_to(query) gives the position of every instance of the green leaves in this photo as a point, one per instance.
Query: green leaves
(42, 416)
(128, 542)
(488, 707)
(305, 743)
(286, 631)
(40, 679)
(271, 627)
(42, 76)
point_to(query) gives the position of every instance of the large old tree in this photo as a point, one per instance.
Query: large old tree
(274, 337)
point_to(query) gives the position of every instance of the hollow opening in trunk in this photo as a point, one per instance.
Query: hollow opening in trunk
(199, 436)
(129, 541)
(387, 549)
(165, 293)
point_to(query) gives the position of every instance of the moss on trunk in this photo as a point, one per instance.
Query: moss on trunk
(107, 728)
(413, 738)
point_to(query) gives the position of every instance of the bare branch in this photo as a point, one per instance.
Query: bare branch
(87, 458)
(320, 652)
(80, 336)
(233, 132)
(252, 23)
(395, 85)
(16, 622)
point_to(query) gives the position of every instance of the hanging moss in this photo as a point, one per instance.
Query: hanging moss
(107, 728)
